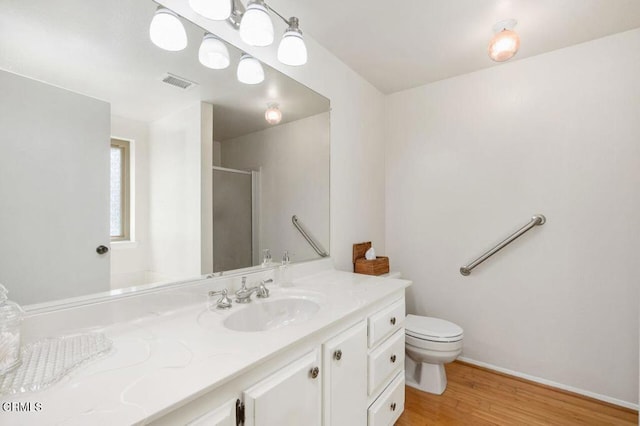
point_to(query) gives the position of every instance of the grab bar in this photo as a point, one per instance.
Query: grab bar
(307, 236)
(535, 221)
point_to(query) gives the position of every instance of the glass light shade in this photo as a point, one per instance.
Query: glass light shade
(166, 31)
(273, 115)
(213, 53)
(256, 28)
(504, 45)
(250, 70)
(292, 50)
(218, 10)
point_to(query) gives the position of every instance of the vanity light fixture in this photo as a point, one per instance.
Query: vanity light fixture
(218, 10)
(505, 44)
(166, 31)
(256, 28)
(250, 70)
(273, 115)
(213, 53)
(292, 50)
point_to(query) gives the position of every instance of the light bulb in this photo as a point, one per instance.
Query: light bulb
(166, 31)
(292, 50)
(273, 115)
(213, 53)
(218, 10)
(250, 70)
(256, 28)
(504, 45)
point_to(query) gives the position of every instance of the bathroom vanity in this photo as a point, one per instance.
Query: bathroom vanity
(327, 351)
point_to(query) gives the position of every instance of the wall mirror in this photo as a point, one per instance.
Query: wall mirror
(124, 165)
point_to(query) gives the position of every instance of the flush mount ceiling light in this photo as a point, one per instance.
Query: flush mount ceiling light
(292, 50)
(505, 44)
(256, 28)
(250, 70)
(218, 10)
(166, 31)
(213, 53)
(273, 115)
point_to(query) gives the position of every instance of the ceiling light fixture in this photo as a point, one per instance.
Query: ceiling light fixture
(505, 44)
(166, 31)
(273, 115)
(292, 50)
(218, 10)
(213, 53)
(250, 70)
(256, 28)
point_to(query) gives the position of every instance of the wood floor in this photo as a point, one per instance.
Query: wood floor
(478, 397)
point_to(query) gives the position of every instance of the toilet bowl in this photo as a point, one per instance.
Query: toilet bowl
(429, 344)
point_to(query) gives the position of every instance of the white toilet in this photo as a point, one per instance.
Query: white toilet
(430, 343)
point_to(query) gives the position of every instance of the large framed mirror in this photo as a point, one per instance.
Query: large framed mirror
(123, 165)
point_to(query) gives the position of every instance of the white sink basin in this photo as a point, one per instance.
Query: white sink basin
(269, 315)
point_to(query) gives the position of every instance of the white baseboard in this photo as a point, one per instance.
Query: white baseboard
(593, 395)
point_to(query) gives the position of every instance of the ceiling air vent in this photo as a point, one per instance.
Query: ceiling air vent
(176, 81)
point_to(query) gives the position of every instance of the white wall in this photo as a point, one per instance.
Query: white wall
(54, 151)
(130, 260)
(175, 194)
(357, 144)
(294, 179)
(472, 158)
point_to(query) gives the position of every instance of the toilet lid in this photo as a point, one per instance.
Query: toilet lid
(429, 328)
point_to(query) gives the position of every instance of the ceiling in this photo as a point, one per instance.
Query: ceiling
(103, 50)
(399, 45)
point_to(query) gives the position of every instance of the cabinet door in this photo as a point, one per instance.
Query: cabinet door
(224, 415)
(345, 374)
(291, 396)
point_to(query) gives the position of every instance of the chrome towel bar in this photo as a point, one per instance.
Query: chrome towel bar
(307, 236)
(535, 221)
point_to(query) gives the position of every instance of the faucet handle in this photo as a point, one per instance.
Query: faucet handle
(244, 283)
(224, 302)
(263, 291)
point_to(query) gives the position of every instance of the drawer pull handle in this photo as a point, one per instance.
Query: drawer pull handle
(393, 406)
(393, 321)
(314, 372)
(337, 355)
(393, 358)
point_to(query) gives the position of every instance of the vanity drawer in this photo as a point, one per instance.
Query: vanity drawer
(389, 406)
(385, 322)
(386, 360)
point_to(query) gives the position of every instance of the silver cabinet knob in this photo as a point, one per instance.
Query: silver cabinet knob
(314, 372)
(337, 355)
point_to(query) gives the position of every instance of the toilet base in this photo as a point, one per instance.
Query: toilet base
(426, 377)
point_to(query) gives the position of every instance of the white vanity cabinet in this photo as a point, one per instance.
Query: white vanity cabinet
(350, 374)
(386, 364)
(345, 377)
(291, 396)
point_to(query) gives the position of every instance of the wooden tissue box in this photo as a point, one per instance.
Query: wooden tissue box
(377, 266)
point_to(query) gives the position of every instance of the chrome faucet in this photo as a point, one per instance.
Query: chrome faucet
(244, 294)
(224, 302)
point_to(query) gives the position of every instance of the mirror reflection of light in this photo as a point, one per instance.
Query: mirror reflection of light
(250, 70)
(213, 53)
(273, 115)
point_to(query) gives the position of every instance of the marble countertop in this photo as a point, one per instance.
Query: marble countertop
(189, 348)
